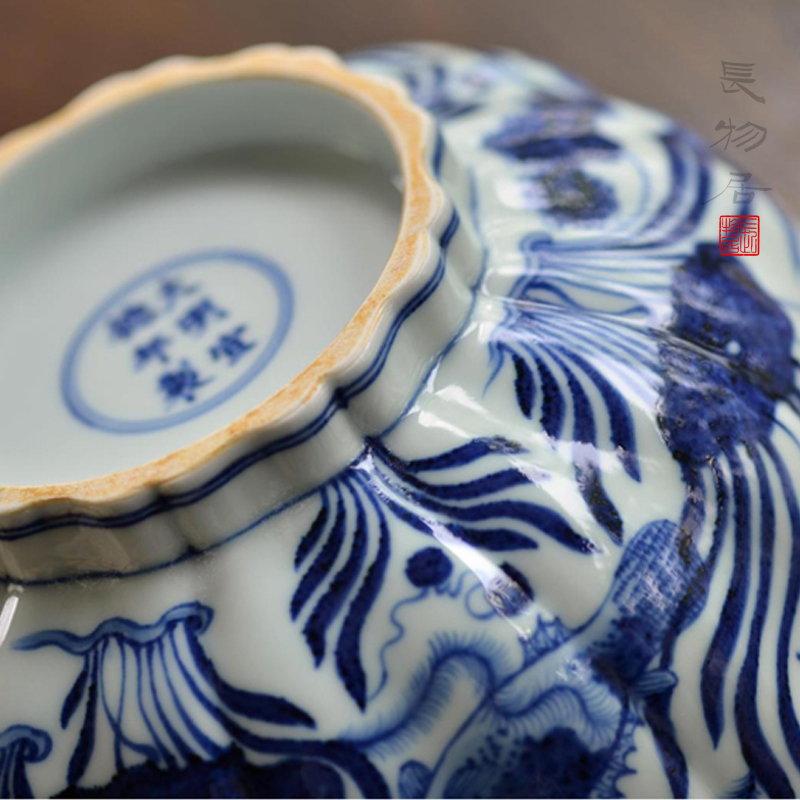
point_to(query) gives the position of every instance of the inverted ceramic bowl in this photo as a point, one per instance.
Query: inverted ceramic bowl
(398, 426)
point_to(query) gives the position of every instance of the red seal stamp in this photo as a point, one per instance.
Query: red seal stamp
(739, 235)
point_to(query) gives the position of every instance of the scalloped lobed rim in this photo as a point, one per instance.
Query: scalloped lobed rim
(411, 133)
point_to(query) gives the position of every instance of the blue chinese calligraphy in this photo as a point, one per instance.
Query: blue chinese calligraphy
(231, 346)
(172, 290)
(155, 349)
(129, 320)
(184, 337)
(182, 383)
(198, 317)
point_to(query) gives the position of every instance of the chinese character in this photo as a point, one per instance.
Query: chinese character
(231, 346)
(153, 350)
(742, 194)
(738, 74)
(183, 383)
(131, 320)
(738, 236)
(751, 132)
(196, 318)
(172, 290)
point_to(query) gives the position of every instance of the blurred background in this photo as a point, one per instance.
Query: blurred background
(664, 54)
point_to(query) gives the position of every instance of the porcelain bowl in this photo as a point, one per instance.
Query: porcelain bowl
(395, 425)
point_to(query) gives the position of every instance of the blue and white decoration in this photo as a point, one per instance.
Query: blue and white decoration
(179, 340)
(571, 568)
(20, 745)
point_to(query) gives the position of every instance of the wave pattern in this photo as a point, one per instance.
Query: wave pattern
(727, 363)
(635, 305)
(355, 508)
(575, 316)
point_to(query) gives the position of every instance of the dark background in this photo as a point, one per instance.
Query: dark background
(665, 54)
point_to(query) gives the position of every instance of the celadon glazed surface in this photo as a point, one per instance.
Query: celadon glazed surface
(529, 528)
